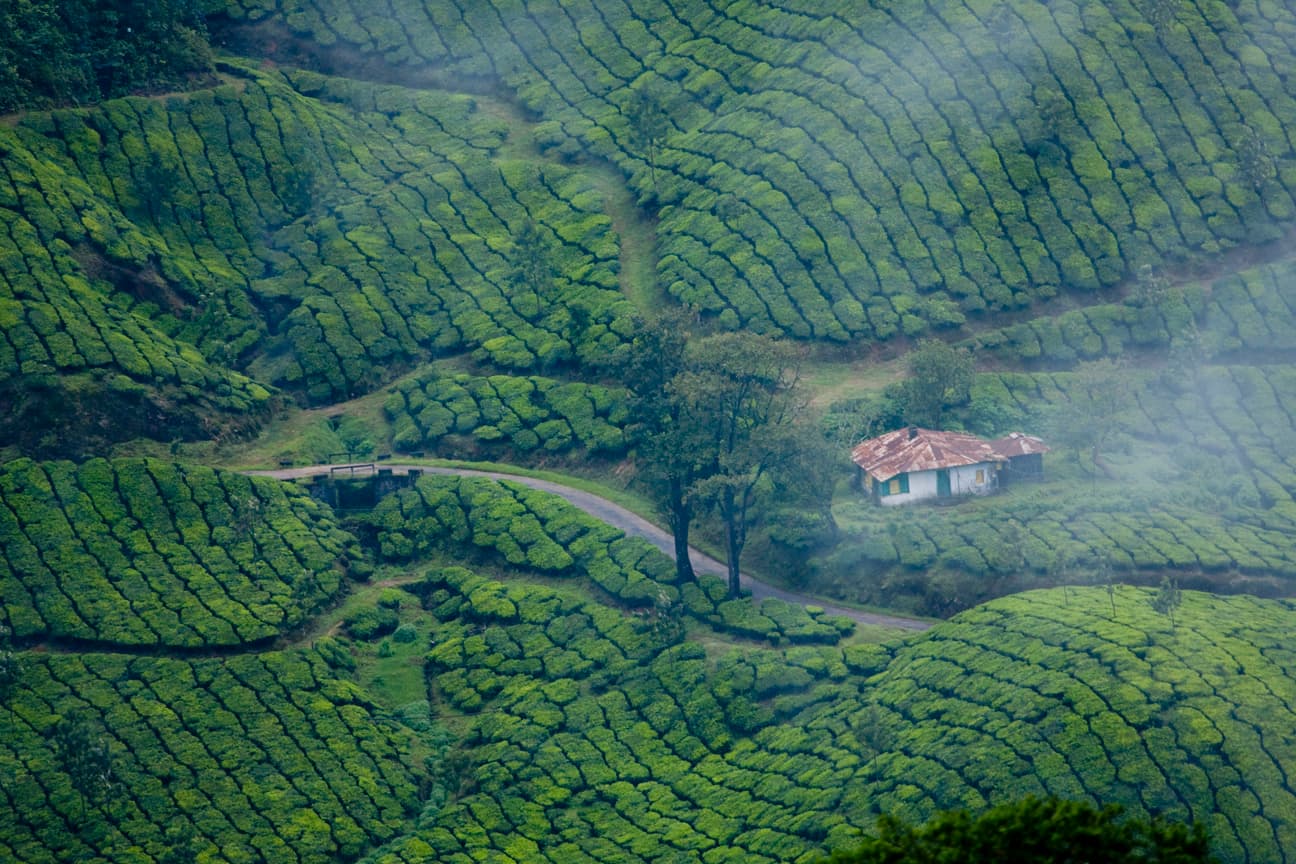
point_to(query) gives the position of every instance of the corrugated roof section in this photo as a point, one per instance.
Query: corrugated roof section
(913, 449)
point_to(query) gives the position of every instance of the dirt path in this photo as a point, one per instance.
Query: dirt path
(634, 525)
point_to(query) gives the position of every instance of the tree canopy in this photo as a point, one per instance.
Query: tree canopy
(79, 51)
(1036, 830)
(940, 377)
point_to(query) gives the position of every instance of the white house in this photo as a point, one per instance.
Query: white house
(913, 464)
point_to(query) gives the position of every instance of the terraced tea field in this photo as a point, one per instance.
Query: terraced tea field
(851, 170)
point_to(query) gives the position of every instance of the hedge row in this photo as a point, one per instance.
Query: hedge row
(860, 169)
(145, 552)
(590, 741)
(526, 414)
(249, 759)
(541, 532)
(1079, 695)
(593, 741)
(1252, 310)
(316, 233)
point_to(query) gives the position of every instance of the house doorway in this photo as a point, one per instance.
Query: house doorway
(942, 483)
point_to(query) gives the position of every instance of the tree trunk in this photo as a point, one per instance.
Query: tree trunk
(733, 543)
(679, 515)
(683, 566)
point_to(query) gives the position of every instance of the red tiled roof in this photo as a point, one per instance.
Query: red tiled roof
(1018, 444)
(913, 449)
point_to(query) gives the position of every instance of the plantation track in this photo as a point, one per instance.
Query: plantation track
(631, 523)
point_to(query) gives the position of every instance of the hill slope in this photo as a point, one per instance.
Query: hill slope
(845, 169)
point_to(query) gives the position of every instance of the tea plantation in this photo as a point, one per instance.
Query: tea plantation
(316, 233)
(258, 757)
(586, 732)
(249, 231)
(844, 169)
(590, 742)
(139, 552)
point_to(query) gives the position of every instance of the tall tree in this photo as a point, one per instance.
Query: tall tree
(714, 421)
(649, 125)
(668, 440)
(1168, 599)
(10, 671)
(741, 389)
(940, 377)
(1254, 160)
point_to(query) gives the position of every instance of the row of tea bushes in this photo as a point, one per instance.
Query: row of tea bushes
(523, 413)
(1081, 695)
(1252, 310)
(252, 758)
(867, 170)
(146, 552)
(588, 740)
(539, 531)
(315, 232)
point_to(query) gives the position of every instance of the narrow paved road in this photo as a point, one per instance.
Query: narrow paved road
(618, 517)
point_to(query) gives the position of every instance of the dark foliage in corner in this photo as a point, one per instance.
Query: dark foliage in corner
(1033, 829)
(80, 51)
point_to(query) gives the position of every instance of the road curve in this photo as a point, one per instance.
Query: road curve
(618, 517)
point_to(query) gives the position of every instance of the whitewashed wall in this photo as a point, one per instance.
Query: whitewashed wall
(922, 484)
(963, 480)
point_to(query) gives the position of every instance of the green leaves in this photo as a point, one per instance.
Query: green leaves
(144, 552)
(1032, 829)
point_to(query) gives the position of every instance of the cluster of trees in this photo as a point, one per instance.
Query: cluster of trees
(1033, 830)
(720, 428)
(73, 52)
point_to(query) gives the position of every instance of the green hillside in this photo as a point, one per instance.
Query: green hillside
(568, 728)
(317, 234)
(588, 742)
(843, 169)
(260, 757)
(235, 233)
(142, 552)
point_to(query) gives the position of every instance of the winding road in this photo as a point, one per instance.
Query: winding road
(618, 517)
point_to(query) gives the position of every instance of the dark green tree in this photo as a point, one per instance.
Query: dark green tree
(80, 51)
(1162, 15)
(182, 846)
(940, 377)
(1254, 161)
(1036, 830)
(1151, 287)
(740, 391)
(668, 441)
(83, 755)
(532, 260)
(10, 671)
